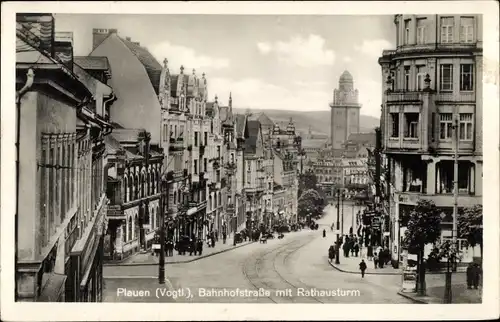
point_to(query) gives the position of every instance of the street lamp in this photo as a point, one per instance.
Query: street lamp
(337, 249)
(164, 196)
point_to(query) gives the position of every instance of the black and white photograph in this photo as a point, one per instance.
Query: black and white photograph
(260, 157)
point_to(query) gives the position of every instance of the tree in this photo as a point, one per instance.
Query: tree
(307, 181)
(470, 226)
(310, 203)
(424, 227)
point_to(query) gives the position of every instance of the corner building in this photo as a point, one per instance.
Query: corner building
(433, 82)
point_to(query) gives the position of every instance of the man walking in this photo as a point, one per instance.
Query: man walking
(362, 267)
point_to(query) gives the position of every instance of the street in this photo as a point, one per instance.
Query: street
(292, 270)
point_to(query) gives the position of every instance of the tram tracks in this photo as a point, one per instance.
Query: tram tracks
(260, 277)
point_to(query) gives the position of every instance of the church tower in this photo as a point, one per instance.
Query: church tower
(345, 110)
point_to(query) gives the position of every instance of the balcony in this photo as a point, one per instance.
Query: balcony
(461, 97)
(442, 200)
(403, 144)
(176, 144)
(404, 97)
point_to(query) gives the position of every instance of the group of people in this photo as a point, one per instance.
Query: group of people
(381, 256)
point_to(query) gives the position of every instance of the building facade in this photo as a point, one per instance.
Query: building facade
(432, 107)
(133, 179)
(61, 127)
(345, 110)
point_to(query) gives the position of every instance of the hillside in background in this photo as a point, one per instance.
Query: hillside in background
(319, 121)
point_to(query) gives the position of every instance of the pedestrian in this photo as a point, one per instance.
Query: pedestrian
(224, 236)
(192, 244)
(331, 253)
(356, 249)
(362, 267)
(324, 233)
(375, 259)
(213, 242)
(216, 235)
(470, 275)
(200, 246)
(476, 275)
(369, 254)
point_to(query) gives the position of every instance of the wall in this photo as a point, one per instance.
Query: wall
(137, 105)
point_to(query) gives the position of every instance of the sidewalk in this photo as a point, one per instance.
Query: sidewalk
(351, 265)
(147, 258)
(435, 282)
(435, 288)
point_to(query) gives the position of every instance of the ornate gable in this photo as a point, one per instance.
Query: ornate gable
(164, 87)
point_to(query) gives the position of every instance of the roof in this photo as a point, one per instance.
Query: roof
(313, 143)
(112, 145)
(346, 77)
(92, 62)
(152, 66)
(240, 125)
(265, 120)
(173, 85)
(367, 138)
(253, 135)
(126, 135)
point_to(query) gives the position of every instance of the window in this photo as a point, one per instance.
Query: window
(395, 125)
(466, 79)
(446, 30)
(421, 31)
(464, 177)
(181, 134)
(465, 127)
(205, 138)
(420, 77)
(407, 78)
(446, 77)
(466, 29)
(195, 138)
(411, 130)
(195, 166)
(407, 32)
(445, 126)
(204, 164)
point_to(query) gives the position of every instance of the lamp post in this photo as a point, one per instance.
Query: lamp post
(453, 247)
(337, 249)
(164, 196)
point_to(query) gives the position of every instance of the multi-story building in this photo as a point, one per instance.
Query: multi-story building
(60, 202)
(345, 111)
(133, 189)
(243, 219)
(255, 174)
(432, 108)
(174, 134)
(141, 88)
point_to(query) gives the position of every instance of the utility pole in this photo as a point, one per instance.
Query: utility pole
(453, 248)
(342, 217)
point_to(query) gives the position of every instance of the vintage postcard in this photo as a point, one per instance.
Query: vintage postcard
(217, 157)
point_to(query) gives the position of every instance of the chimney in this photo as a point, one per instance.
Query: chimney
(63, 48)
(98, 36)
(128, 38)
(136, 43)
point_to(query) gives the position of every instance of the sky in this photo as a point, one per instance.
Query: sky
(287, 62)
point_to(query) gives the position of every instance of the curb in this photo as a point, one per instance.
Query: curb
(179, 261)
(366, 273)
(412, 298)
